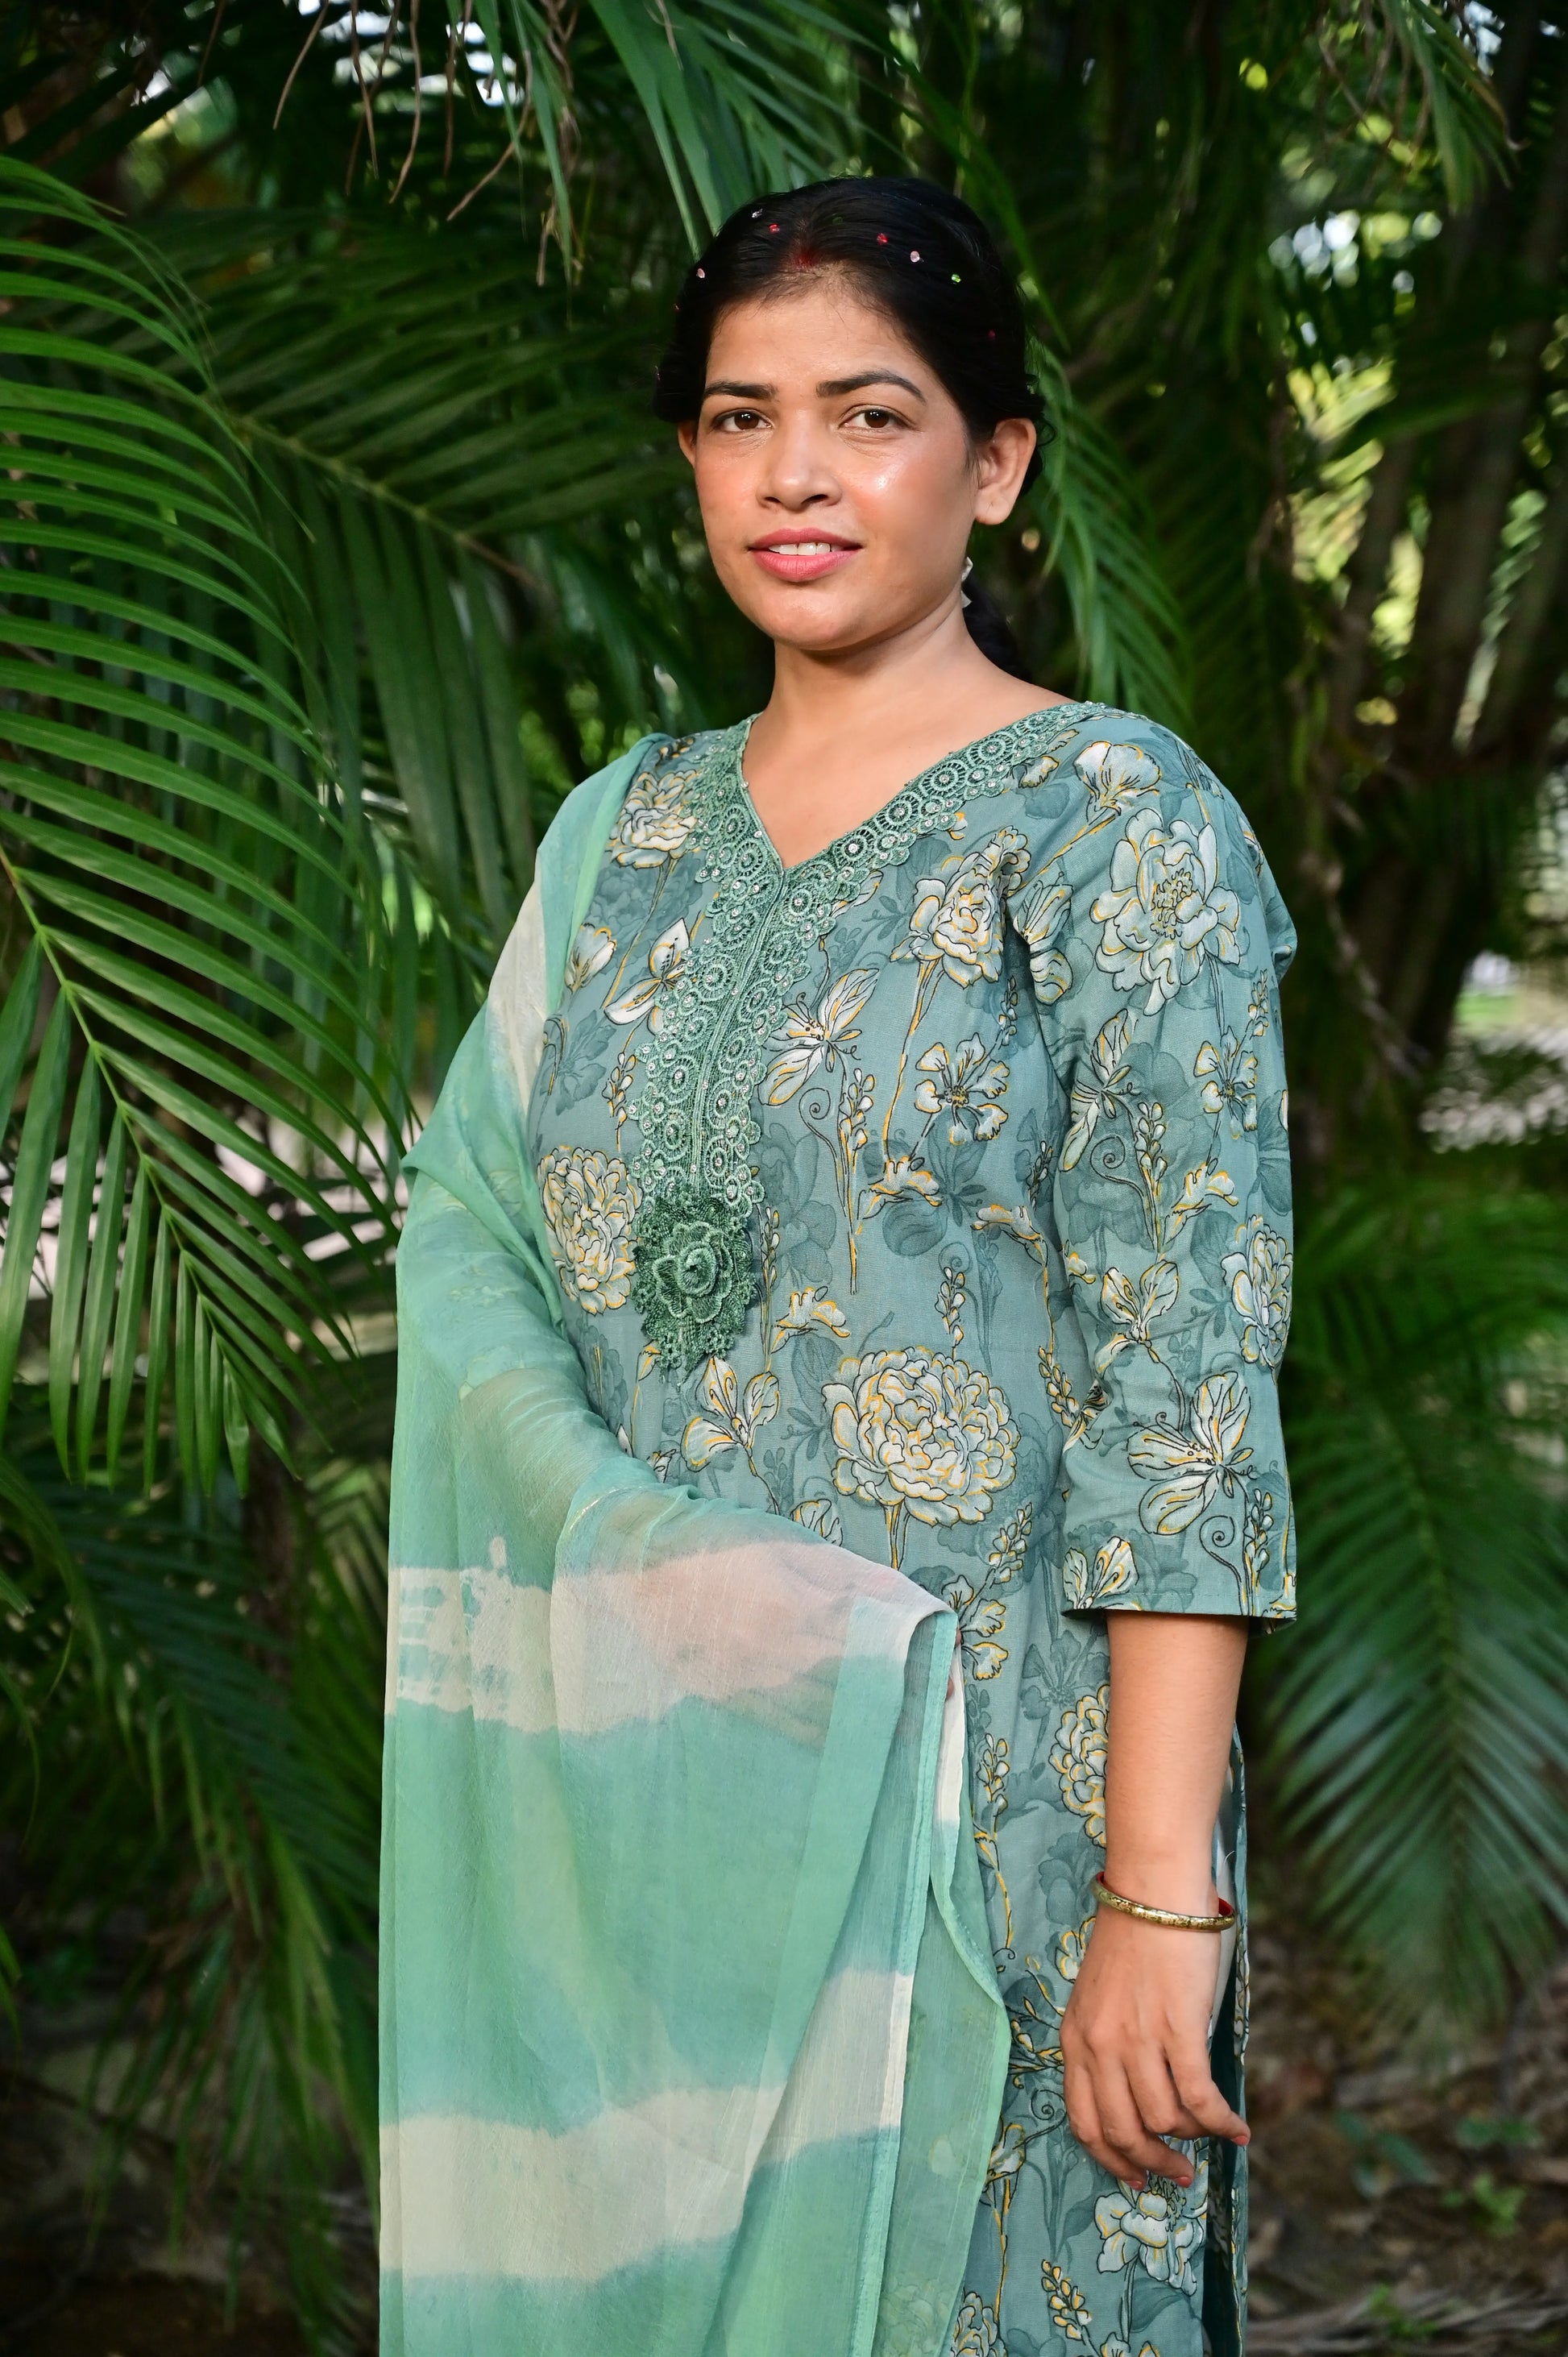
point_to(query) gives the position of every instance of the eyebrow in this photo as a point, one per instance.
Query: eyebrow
(831, 389)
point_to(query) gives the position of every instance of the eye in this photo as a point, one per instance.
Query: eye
(879, 420)
(737, 421)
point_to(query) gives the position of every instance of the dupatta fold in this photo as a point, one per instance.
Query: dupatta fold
(690, 2038)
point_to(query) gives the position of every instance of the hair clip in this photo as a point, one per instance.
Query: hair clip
(701, 274)
(956, 279)
(914, 255)
(881, 237)
(772, 228)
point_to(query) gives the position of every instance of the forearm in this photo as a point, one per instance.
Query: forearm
(1174, 1681)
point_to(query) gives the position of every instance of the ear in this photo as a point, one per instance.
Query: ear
(1000, 463)
(686, 435)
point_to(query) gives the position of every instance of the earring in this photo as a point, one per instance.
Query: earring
(963, 577)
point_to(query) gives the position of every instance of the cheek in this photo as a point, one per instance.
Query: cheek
(915, 493)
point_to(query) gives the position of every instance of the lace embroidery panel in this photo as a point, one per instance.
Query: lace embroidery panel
(765, 924)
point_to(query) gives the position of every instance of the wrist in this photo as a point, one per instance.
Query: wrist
(1182, 1883)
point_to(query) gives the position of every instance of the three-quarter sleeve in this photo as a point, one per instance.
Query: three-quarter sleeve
(1157, 940)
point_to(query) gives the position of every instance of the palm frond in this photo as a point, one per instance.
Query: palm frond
(1417, 1721)
(175, 848)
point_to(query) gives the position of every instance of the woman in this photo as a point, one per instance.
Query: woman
(856, 1228)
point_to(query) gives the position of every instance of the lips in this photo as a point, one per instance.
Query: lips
(802, 556)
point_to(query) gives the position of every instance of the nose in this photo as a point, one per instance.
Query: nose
(800, 472)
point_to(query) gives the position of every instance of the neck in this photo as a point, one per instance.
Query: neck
(928, 668)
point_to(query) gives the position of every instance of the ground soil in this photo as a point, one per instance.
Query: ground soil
(1400, 2203)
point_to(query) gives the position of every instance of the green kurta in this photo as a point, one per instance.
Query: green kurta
(935, 1194)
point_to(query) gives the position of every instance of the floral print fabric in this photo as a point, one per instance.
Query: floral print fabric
(975, 1128)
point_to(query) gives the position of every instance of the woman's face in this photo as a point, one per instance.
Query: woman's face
(835, 474)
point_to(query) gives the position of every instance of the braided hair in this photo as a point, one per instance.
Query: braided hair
(925, 259)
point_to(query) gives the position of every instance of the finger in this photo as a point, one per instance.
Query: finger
(1194, 2083)
(1083, 2118)
(1123, 2126)
(1154, 2091)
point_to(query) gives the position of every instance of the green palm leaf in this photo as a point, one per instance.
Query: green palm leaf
(1417, 1721)
(173, 844)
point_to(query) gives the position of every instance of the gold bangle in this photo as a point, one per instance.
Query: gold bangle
(1224, 1922)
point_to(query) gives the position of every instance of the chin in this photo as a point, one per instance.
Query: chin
(819, 630)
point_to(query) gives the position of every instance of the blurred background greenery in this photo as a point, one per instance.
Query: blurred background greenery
(338, 542)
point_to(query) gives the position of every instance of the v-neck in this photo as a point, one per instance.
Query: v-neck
(995, 743)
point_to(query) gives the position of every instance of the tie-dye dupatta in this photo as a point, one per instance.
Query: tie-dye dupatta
(691, 2043)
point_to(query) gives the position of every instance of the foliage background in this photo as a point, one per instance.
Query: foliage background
(338, 542)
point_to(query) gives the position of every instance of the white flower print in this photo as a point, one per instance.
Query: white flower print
(1113, 1572)
(1133, 1307)
(819, 1514)
(1202, 1457)
(951, 1295)
(808, 1041)
(919, 1433)
(592, 950)
(1101, 1096)
(964, 1083)
(1167, 911)
(1151, 2230)
(1115, 775)
(1040, 912)
(901, 1175)
(1260, 1276)
(735, 1417)
(655, 819)
(811, 1309)
(957, 919)
(975, 2332)
(1229, 1077)
(590, 1201)
(665, 960)
(616, 1090)
(1078, 1756)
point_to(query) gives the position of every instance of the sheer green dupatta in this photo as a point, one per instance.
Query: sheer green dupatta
(691, 2042)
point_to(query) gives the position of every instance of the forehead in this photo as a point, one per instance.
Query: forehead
(814, 327)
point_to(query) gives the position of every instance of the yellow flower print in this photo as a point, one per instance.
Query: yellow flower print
(1115, 775)
(962, 1084)
(590, 1201)
(1167, 911)
(1078, 1756)
(1069, 2310)
(806, 1041)
(918, 1434)
(655, 819)
(1202, 1456)
(957, 919)
(1151, 2230)
(666, 960)
(1112, 1574)
(1071, 1949)
(592, 950)
(1260, 1276)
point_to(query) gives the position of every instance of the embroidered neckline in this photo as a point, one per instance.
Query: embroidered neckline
(991, 748)
(764, 924)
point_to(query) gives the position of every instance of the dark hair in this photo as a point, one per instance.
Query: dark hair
(926, 260)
